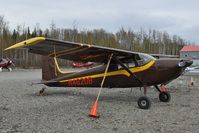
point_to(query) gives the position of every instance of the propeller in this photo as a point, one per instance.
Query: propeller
(181, 63)
(185, 63)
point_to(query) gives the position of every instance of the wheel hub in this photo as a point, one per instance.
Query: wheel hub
(143, 103)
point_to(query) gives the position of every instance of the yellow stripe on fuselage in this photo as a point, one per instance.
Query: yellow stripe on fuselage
(26, 43)
(118, 72)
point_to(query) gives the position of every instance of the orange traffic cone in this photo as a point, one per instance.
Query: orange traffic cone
(93, 112)
(163, 88)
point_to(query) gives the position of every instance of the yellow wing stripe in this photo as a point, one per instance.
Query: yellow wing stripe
(118, 72)
(26, 43)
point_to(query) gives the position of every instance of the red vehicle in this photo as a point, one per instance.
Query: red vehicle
(80, 64)
(6, 63)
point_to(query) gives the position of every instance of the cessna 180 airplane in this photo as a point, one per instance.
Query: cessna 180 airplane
(120, 69)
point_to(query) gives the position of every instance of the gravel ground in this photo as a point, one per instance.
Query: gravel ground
(66, 109)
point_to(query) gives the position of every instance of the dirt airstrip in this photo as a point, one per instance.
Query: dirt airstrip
(66, 109)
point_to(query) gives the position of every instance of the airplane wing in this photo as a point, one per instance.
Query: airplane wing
(70, 50)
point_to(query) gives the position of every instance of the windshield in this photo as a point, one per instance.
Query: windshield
(143, 59)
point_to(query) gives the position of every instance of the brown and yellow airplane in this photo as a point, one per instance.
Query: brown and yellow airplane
(121, 68)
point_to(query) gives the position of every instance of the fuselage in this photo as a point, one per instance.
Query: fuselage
(154, 72)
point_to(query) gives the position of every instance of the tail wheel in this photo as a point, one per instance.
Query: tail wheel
(164, 96)
(144, 102)
(41, 92)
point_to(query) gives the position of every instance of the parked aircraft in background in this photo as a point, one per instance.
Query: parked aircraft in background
(6, 64)
(81, 64)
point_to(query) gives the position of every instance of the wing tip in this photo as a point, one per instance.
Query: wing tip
(25, 43)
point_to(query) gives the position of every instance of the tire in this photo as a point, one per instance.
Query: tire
(42, 91)
(10, 69)
(144, 102)
(164, 97)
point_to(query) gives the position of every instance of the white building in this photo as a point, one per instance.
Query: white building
(190, 53)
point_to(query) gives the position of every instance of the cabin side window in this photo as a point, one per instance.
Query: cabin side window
(129, 65)
(129, 62)
(133, 61)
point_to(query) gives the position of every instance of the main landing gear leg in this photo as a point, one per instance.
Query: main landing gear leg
(143, 102)
(164, 96)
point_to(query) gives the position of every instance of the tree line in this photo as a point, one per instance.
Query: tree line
(147, 41)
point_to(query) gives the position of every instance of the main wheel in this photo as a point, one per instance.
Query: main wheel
(41, 92)
(144, 102)
(164, 96)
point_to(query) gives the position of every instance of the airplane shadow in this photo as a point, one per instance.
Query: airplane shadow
(125, 96)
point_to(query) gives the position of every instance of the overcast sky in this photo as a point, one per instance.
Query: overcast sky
(179, 17)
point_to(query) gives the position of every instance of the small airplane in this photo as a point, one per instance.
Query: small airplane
(81, 64)
(6, 63)
(119, 69)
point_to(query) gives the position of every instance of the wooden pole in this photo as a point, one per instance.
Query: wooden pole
(104, 77)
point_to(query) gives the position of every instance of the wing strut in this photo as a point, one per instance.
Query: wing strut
(131, 73)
